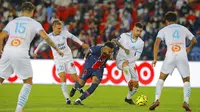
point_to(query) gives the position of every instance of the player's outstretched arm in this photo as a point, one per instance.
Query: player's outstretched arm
(193, 42)
(3, 35)
(121, 46)
(44, 35)
(155, 51)
(38, 48)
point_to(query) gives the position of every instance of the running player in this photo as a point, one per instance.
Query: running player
(15, 58)
(63, 64)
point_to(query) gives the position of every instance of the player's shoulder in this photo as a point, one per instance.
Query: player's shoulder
(127, 34)
(140, 41)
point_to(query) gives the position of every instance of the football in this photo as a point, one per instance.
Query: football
(142, 100)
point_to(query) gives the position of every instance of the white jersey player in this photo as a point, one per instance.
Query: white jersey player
(64, 64)
(174, 36)
(131, 47)
(15, 58)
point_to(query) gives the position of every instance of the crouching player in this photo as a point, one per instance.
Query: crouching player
(96, 59)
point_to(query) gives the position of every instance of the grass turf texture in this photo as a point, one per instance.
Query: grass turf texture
(49, 98)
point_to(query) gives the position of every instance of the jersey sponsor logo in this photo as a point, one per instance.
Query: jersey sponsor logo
(176, 48)
(15, 42)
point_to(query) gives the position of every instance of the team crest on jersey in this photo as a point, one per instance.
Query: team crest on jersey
(72, 65)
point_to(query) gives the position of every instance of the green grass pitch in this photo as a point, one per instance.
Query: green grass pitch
(49, 98)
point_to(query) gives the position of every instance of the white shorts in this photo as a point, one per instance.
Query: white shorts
(133, 73)
(67, 67)
(179, 62)
(20, 65)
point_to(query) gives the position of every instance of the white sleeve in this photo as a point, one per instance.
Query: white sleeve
(189, 34)
(38, 27)
(40, 46)
(74, 38)
(161, 35)
(137, 54)
(7, 28)
(120, 38)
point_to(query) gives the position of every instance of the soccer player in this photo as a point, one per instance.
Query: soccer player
(63, 64)
(174, 36)
(15, 58)
(96, 58)
(131, 47)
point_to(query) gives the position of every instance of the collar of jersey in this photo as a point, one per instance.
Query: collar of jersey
(131, 38)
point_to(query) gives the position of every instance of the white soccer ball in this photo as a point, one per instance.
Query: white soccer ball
(142, 100)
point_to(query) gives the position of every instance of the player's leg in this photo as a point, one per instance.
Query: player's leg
(80, 83)
(60, 70)
(167, 68)
(1, 80)
(26, 75)
(183, 68)
(96, 79)
(132, 84)
(24, 94)
(5, 68)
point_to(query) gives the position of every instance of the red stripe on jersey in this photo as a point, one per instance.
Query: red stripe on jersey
(99, 62)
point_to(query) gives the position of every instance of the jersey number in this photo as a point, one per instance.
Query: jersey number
(20, 28)
(176, 34)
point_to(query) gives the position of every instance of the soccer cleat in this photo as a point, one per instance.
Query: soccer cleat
(129, 101)
(68, 101)
(154, 105)
(186, 107)
(81, 91)
(78, 102)
(72, 92)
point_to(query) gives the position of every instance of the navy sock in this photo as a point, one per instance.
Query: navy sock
(77, 85)
(89, 91)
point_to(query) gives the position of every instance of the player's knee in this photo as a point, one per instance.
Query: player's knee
(124, 64)
(133, 84)
(28, 80)
(95, 80)
(130, 84)
(186, 79)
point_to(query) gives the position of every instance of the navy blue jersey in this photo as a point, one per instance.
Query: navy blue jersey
(95, 59)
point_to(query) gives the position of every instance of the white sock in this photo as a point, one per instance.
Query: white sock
(23, 97)
(131, 93)
(78, 99)
(64, 90)
(186, 91)
(159, 87)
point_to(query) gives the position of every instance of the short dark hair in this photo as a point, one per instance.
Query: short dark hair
(139, 25)
(170, 16)
(28, 6)
(109, 44)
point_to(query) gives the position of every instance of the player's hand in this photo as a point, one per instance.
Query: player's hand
(60, 52)
(127, 51)
(154, 63)
(34, 55)
(188, 50)
(114, 41)
(85, 46)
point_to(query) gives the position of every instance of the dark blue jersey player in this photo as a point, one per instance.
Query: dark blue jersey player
(96, 58)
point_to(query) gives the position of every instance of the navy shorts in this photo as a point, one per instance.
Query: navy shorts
(88, 73)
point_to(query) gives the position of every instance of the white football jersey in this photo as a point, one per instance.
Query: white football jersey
(21, 32)
(61, 42)
(175, 38)
(135, 46)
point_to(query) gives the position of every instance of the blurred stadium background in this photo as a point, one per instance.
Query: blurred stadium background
(96, 22)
